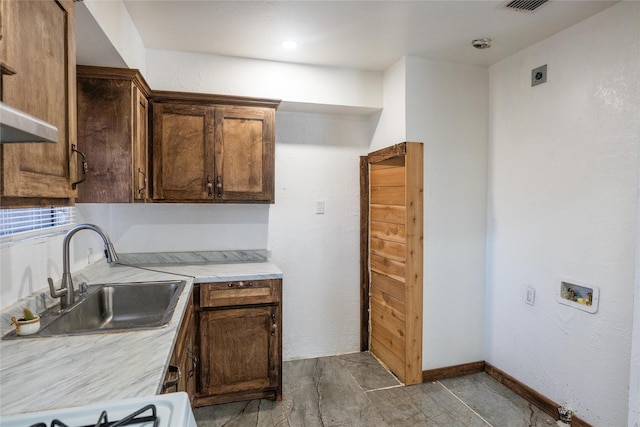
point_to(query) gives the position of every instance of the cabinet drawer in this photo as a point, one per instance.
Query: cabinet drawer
(245, 292)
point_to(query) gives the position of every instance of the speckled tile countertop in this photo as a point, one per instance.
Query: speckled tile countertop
(54, 372)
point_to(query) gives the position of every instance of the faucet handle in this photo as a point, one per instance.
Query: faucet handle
(84, 290)
(55, 293)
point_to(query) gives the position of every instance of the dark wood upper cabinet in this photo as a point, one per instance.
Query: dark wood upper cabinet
(244, 156)
(211, 148)
(113, 134)
(38, 44)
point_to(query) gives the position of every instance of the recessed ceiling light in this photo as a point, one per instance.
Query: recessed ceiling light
(289, 44)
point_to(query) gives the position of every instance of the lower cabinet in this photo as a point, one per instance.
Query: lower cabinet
(239, 337)
(181, 374)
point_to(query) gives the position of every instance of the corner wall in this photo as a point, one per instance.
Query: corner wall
(293, 83)
(563, 204)
(445, 106)
(117, 29)
(447, 110)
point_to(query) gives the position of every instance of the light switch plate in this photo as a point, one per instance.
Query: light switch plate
(531, 296)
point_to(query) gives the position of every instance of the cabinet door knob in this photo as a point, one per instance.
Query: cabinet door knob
(144, 181)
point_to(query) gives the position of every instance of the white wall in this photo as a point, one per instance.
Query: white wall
(447, 110)
(175, 227)
(392, 123)
(118, 28)
(445, 106)
(318, 160)
(563, 204)
(25, 266)
(294, 83)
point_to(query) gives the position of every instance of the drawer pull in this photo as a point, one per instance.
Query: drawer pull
(174, 381)
(274, 325)
(84, 168)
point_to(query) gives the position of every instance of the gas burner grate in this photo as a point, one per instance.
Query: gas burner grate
(136, 418)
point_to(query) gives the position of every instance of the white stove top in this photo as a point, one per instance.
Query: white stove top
(172, 410)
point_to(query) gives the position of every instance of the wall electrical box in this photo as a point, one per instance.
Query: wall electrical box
(580, 296)
(539, 75)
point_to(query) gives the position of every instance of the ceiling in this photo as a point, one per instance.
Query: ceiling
(368, 35)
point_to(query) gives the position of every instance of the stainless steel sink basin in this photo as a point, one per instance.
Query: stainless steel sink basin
(118, 307)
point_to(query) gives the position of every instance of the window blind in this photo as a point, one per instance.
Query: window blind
(34, 221)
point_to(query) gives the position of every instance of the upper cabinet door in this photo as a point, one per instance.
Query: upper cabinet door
(38, 44)
(140, 145)
(113, 134)
(244, 154)
(182, 152)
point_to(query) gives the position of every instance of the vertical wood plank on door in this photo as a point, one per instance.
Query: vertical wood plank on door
(386, 259)
(414, 261)
(364, 253)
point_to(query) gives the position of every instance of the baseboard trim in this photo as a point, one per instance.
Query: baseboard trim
(530, 395)
(452, 371)
(527, 393)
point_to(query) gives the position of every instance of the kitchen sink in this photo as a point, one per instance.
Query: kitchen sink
(116, 307)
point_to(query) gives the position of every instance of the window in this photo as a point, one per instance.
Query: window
(32, 222)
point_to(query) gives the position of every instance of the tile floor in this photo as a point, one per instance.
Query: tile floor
(355, 390)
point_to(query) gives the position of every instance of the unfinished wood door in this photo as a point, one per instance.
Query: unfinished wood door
(394, 258)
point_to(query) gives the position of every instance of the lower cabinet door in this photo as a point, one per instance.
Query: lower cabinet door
(241, 351)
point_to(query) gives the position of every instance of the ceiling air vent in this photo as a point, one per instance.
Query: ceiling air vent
(525, 5)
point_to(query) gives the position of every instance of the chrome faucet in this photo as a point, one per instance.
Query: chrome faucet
(66, 293)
